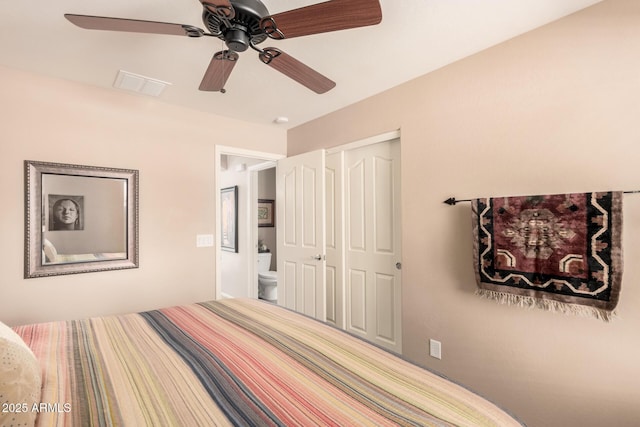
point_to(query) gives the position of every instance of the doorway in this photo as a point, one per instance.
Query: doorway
(236, 272)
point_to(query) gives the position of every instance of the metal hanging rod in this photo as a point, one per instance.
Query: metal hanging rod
(451, 201)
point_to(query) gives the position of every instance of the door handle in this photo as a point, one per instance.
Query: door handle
(398, 266)
(317, 257)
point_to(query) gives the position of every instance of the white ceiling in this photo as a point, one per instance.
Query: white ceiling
(414, 38)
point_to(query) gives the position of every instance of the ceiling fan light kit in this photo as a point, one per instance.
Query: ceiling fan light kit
(244, 24)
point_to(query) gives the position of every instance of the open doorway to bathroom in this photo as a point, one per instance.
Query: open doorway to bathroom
(253, 173)
(263, 189)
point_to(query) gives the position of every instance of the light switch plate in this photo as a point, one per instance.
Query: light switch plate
(204, 240)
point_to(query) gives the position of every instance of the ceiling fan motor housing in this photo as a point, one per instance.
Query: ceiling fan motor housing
(245, 24)
(237, 39)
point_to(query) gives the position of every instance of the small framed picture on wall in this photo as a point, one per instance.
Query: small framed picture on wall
(265, 213)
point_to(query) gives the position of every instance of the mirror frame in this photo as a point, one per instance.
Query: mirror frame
(33, 265)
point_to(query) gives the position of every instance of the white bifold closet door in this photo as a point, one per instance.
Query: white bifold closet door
(364, 272)
(373, 243)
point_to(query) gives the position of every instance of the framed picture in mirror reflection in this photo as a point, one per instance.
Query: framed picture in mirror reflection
(65, 212)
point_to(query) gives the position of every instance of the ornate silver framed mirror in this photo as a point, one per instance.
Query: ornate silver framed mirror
(79, 219)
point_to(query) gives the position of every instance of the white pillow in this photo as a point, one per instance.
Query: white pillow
(20, 380)
(50, 251)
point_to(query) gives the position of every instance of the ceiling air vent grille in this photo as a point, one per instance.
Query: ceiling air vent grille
(141, 84)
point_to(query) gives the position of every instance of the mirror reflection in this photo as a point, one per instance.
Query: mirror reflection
(84, 218)
(79, 219)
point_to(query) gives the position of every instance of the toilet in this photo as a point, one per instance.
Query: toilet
(267, 280)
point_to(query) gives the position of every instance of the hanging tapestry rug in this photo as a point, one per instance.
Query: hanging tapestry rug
(558, 252)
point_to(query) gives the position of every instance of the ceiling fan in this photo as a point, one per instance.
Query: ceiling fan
(244, 24)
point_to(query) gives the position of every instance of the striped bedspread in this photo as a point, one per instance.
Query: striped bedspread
(236, 362)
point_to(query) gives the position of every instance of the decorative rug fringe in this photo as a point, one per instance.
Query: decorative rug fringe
(546, 304)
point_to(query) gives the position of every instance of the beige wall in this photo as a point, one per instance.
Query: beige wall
(173, 148)
(553, 111)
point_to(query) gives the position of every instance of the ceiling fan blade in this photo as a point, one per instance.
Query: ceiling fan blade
(291, 67)
(219, 71)
(332, 15)
(222, 8)
(132, 25)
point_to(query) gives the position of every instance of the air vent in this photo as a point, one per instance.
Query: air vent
(141, 84)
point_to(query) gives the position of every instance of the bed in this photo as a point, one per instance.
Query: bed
(228, 362)
(50, 255)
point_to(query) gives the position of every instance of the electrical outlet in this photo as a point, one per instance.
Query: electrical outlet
(435, 349)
